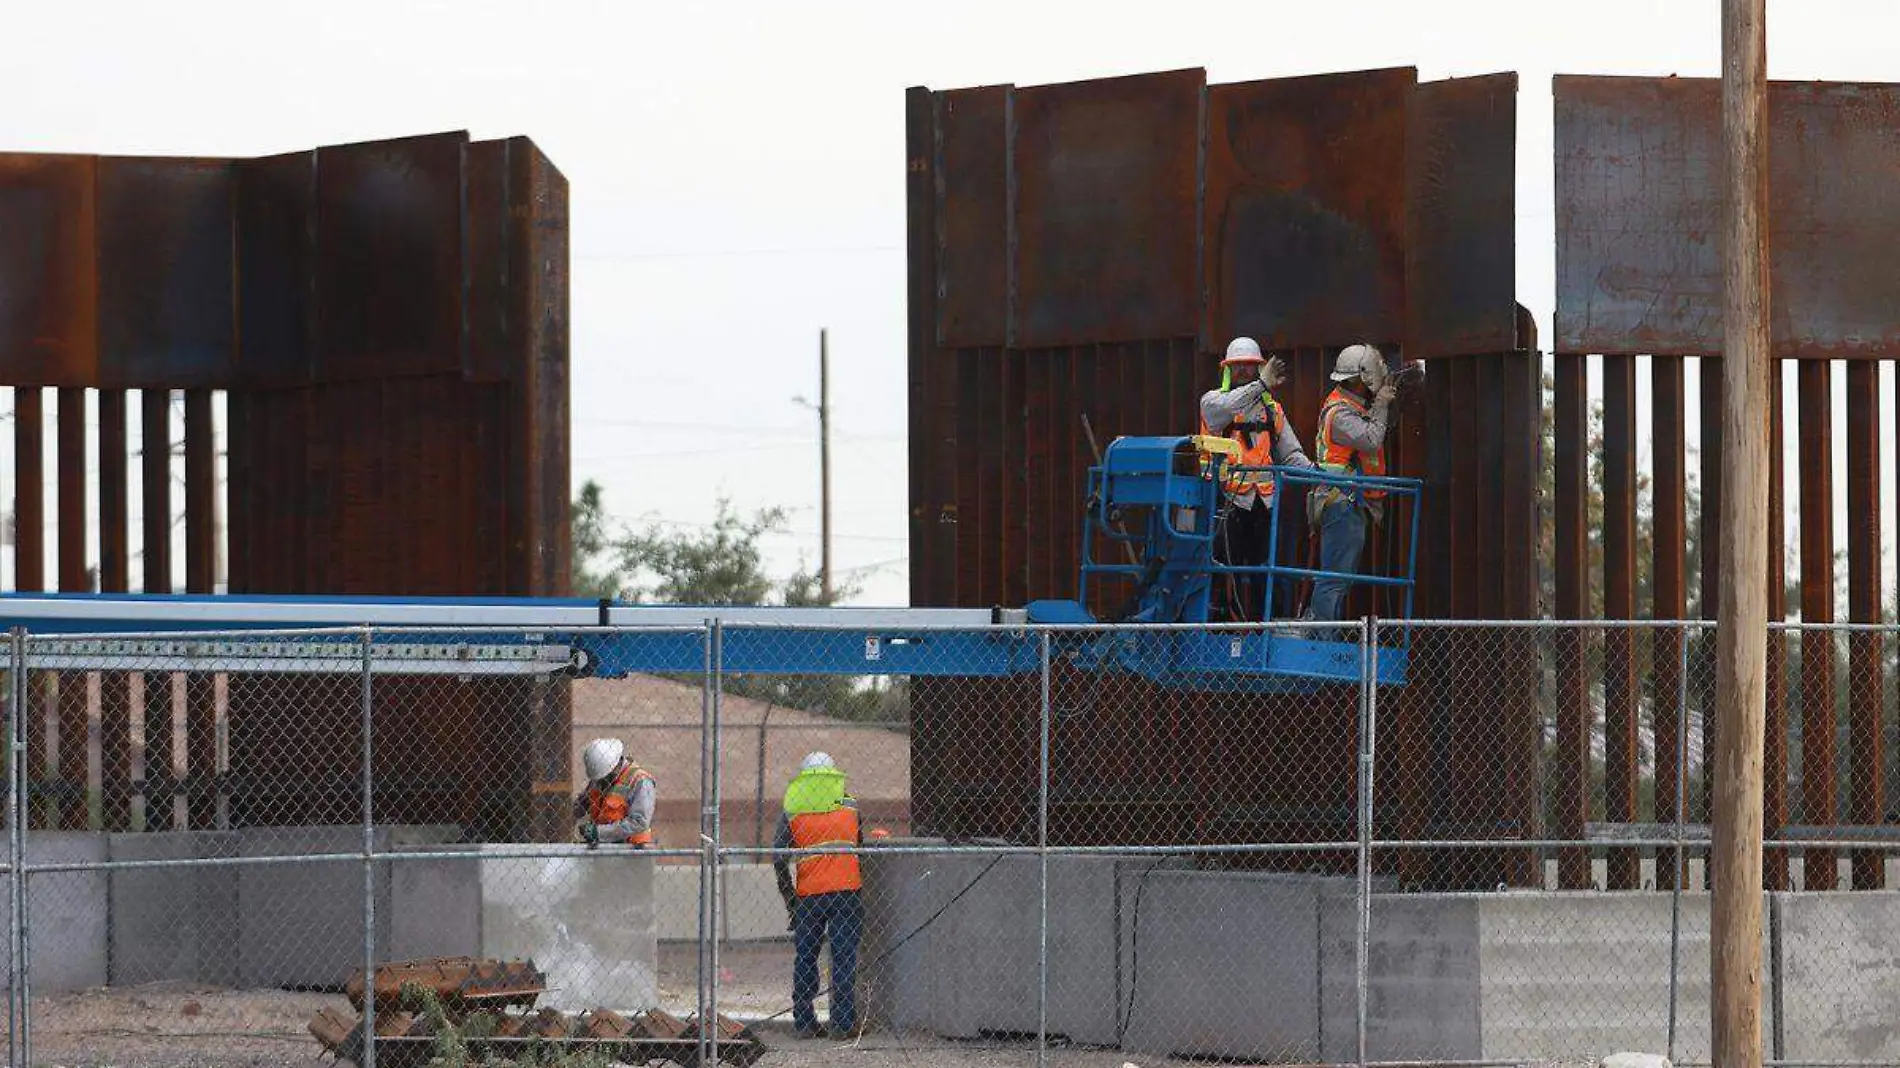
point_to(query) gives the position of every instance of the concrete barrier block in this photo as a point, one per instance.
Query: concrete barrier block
(899, 984)
(435, 905)
(174, 923)
(1422, 991)
(676, 902)
(586, 918)
(1840, 974)
(750, 909)
(1222, 964)
(67, 913)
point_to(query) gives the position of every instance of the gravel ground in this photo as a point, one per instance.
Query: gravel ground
(176, 1025)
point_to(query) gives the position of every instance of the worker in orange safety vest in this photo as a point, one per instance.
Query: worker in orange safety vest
(1351, 441)
(1244, 409)
(821, 891)
(617, 806)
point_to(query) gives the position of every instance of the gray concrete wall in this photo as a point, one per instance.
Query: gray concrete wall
(1840, 973)
(749, 905)
(586, 918)
(174, 923)
(66, 913)
(1423, 992)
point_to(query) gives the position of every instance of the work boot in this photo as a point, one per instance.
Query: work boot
(852, 1033)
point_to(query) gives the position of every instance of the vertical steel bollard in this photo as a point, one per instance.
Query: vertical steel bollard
(1682, 808)
(16, 847)
(1042, 856)
(369, 862)
(1368, 721)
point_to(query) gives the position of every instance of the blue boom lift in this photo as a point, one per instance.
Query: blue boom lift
(1152, 497)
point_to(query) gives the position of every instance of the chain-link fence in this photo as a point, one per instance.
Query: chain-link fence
(1387, 842)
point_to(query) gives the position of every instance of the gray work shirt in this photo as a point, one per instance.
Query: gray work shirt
(1246, 404)
(639, 818)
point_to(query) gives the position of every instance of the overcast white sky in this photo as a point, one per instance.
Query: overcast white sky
(737, 169)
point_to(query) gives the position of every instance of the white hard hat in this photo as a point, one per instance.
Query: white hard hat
(817, 760)
(601, 757)
(1355, 360)
(1242, 350)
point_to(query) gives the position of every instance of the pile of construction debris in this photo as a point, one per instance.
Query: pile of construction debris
(469, 1011)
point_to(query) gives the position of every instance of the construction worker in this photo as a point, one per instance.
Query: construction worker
(822, 893)
(1244, 409)
(617, 805)
(1351, 441)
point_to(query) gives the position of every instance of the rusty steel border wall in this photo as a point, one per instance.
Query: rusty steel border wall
(387, 323)
(1637, 196)
(1086, 249)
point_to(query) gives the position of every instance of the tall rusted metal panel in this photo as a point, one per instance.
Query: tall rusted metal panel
(1306, 209)
(1105, 182)
(1621, 743)
(1570, 433)
(1460, 216)
(1637, 262)
(49, 305)
(167, 300)
(1775, 747)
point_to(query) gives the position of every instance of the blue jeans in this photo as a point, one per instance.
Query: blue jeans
(841, 915)
(1342, 536)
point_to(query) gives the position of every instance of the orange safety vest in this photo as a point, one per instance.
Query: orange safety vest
(1256, 450)
(1344, 459)
(826, 873)
(611, 804)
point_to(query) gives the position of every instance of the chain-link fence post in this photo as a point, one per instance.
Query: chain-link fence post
(1368, 718)
(715, 888)
(1682, 807)
(16, 848)
(369, 857)
(1042, 856)
(707, 757)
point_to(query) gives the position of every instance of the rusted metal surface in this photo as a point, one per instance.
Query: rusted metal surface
(389, 258)
(1638, 192)
(486, 315)
(75, 571)
(29, 488)
(155, 480)
(1621, 745)
(538, 204)
(1305, 241)
(1571, 394)
(1865, 696)
(276, 272)
(201, 488)
(1668, 585)
(1775, 747)
(1461, 226)
(1819, 781)
(1710, 372)
(969, 173)
(1106, 181)
(932, 373)
(459, 984)
(115, 687)
(166, 297)
(74, 730)
(49, 302)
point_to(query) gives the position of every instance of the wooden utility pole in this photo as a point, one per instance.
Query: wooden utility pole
(824, 461)
(1741, 645)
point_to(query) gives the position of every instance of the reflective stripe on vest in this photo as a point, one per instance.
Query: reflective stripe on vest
(612, 804)
(1258, 453)
(1344, 459)
(826, 873)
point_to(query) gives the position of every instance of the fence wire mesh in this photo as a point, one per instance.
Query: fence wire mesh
(1093, 846)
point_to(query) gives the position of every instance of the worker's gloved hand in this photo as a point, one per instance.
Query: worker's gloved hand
(1274, 373)
(589, 833)
(1386, 393)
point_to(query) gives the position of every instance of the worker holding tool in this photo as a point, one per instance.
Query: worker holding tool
(617, 806)
(821, 891)
(1245, 410)
(1351, 441)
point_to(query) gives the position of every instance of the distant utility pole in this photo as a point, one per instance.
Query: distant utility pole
(824, 461)
(1741, 638)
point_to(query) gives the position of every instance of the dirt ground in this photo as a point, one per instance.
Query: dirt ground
(177, 1025)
